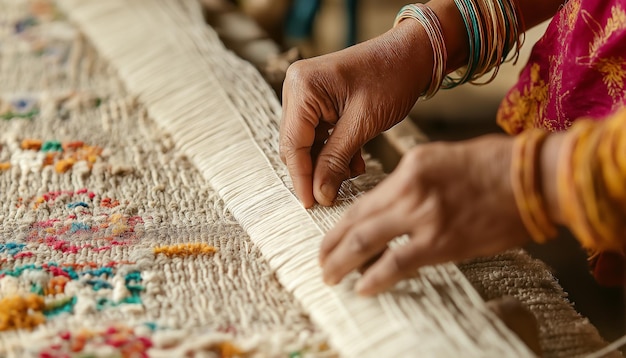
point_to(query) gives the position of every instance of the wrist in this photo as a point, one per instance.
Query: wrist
(528, 180)
(549, 155)
(410, 45)
(434, 37)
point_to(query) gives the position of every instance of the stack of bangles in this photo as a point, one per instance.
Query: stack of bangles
(590, 179)
(591, 173)
(526, 184)
(493, 29)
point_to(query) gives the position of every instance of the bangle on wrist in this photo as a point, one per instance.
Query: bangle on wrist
(591, 183)
(526, 184)
(494, 28)
(428, 19)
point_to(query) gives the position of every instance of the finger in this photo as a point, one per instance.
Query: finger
(360, 243)
(297, 134)
(402, 262)
(357, 165)
(384, 198)
(300, 170)
(333, 164)
(358, 212)
(366, 266)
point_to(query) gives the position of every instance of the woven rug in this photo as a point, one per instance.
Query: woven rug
(145, 212)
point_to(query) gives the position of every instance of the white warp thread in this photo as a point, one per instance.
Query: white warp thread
(169, 58)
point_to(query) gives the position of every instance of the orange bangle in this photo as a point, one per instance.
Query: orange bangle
(589, 190)
(526, 184)
(570, 201)
(608, 185)
(597, 216)
(614, 165)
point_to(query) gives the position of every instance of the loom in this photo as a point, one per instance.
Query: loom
(219, 112)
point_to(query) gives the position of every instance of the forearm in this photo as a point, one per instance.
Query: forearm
(583, 178)
(408, 46)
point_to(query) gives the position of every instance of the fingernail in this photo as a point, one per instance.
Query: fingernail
(328, 191)
(363, 286)
(330, 280)
(304, 201)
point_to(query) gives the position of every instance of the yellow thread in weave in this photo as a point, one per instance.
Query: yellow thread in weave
(64, 165)
(31, 144)
(185, 249)
(17, 312)
(229, 350)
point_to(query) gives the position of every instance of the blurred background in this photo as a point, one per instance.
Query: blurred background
(317, 27)
(287, 30)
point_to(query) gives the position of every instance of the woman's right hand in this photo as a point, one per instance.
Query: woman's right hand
(354, 95)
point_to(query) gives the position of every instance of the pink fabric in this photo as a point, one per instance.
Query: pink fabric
(577, 69)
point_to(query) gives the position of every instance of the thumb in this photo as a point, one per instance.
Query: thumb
(333, 164)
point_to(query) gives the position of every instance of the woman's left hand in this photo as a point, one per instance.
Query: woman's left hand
(454, 200)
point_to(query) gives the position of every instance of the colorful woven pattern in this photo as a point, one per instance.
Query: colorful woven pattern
(111, 243)
(120, 182)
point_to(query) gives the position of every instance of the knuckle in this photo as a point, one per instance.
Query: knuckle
(288, 143)
(361, 130)
(416, 155)
(337, 164)
(282, 153)
(359, 244)
(315, 74)
(297, 71)
(414, 165)
(353, 213)
(285, 147)
(291, 162)
(399, 263)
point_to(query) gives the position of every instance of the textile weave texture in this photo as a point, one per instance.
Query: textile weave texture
(109, 235)
(113, 243)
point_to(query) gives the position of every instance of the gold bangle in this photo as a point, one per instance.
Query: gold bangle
(526, 184)
(569, 199)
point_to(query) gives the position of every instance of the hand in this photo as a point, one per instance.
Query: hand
(455, 202)
(355, 94)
